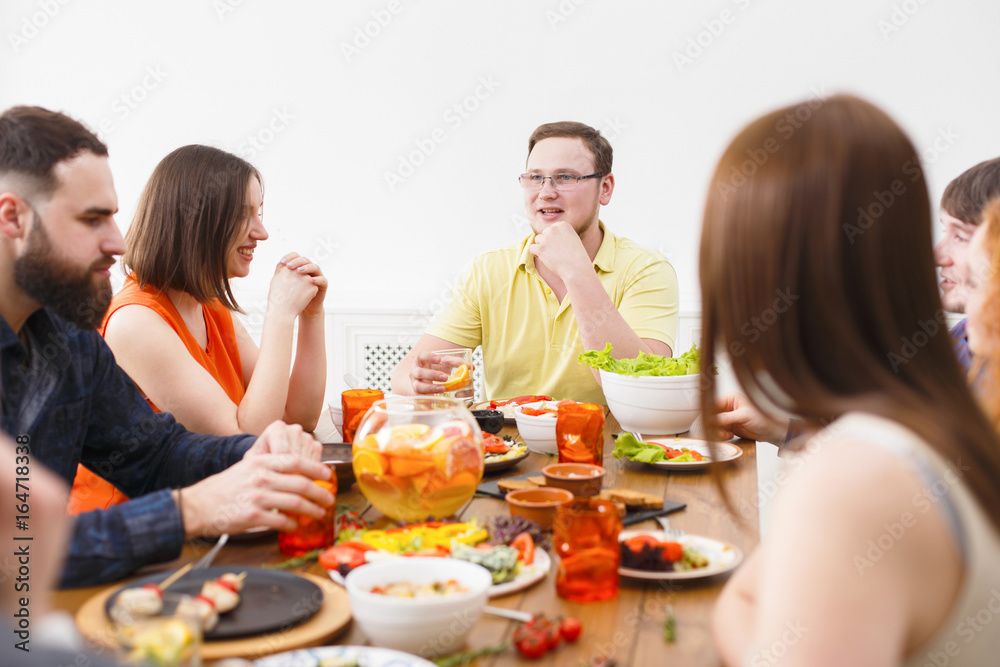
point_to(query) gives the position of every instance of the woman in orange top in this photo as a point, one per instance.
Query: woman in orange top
(173, 329)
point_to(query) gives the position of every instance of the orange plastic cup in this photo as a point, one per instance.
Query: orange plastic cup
(312, 533)
(585, 538)
(580, 433)
(355, 403)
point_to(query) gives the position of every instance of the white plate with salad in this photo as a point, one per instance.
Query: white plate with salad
(674, 453)
(719, 556)
(693, 453)
(343, 656)
(527, 576)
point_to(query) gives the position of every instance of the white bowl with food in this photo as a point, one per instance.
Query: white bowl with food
(538, 432)
(651, 404)
(419, 605)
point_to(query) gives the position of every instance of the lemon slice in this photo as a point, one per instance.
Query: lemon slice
(404, 433)
(459, 378)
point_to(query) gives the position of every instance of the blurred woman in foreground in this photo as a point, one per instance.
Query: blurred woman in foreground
(886, 536)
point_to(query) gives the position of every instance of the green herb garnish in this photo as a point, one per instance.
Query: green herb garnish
(297, 561)
(468, 656)
(670, 626)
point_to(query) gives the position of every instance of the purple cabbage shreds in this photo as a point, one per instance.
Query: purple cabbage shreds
(503, 529)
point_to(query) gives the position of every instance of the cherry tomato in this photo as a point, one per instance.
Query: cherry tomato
(525, 548)
(570, 628)
(552, 636)
(532, 646)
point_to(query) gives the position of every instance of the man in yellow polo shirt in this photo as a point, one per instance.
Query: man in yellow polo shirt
(570, 286)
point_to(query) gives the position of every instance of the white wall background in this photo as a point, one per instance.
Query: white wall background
(326, 110)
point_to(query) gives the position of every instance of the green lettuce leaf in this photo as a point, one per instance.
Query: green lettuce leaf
(627, 447)
(645, 364)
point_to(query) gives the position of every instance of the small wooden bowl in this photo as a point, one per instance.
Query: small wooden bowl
(539, 504)
(580, 479)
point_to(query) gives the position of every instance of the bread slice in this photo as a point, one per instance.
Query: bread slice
(512, 484)
(537, 480)
(634, 499)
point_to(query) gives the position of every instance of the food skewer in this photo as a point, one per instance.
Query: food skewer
(217, 596)
(146, 600)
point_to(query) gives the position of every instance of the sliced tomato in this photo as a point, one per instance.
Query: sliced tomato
(637, 542)
(525, 548)
(494, 445)
(538, 412)
(671, 452)
(344, 557)
(520, 400)
(672, 551)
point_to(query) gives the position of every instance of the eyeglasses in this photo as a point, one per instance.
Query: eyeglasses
(559, 181)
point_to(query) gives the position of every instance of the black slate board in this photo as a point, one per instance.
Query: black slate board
(270, 600)
(631, 517)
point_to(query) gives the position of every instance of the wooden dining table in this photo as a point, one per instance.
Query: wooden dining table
(630, 628)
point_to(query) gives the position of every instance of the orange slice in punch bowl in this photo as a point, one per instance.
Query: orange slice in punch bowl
(459, 378)
(370, 462)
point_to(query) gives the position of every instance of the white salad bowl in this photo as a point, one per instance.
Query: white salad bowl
(426, 626)
(653, 405)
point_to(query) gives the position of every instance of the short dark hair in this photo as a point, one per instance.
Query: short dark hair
(592, 138)
(188, 217)
(34, 140)
(967, 195)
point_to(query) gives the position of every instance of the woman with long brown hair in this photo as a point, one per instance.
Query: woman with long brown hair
(887, 534)
(173, 327)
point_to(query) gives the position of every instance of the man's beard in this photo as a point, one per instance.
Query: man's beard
(66, 290)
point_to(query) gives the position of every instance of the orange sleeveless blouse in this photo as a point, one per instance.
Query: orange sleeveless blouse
(221, 359)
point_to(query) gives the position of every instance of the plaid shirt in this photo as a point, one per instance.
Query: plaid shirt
(961, 343)
(76, 405)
